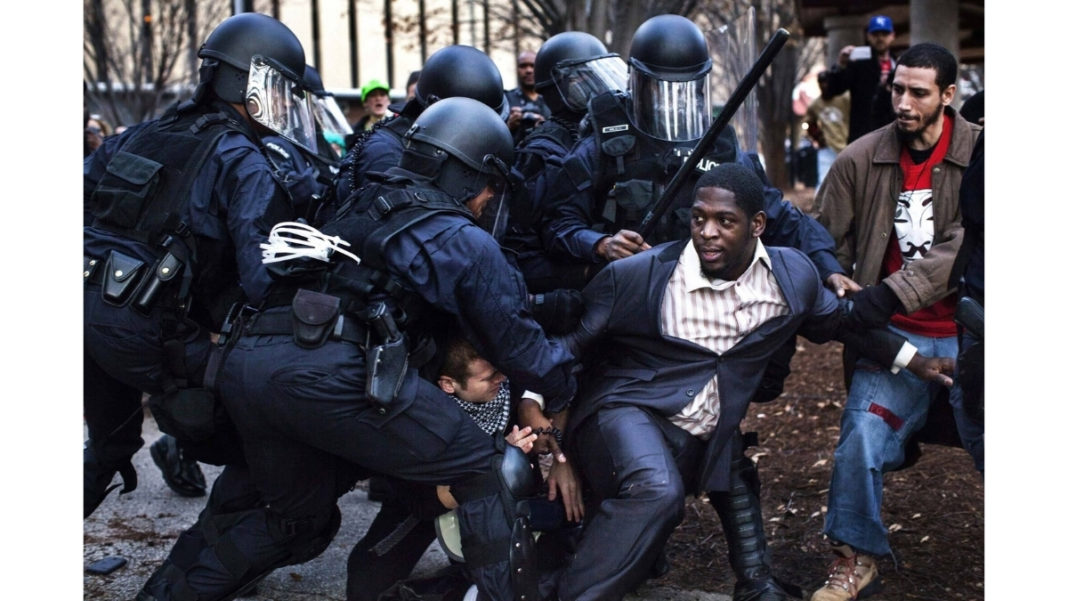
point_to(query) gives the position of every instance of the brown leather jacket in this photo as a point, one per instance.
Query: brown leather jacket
(857, 201)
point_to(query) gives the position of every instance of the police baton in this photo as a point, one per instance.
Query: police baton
(737, 97)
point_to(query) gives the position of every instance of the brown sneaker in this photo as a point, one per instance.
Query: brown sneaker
(852, 576)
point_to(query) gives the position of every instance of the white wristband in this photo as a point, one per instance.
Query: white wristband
(903, 357)
(537, 398)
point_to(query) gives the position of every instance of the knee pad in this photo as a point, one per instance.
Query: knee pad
(511, 475)
(486, 499)
(311, 547)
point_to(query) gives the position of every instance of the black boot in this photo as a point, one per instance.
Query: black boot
(739, 510)
(181, 473)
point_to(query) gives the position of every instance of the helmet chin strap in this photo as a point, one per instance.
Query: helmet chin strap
(208, 68)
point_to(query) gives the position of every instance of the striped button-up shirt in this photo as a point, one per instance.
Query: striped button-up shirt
(716, 314)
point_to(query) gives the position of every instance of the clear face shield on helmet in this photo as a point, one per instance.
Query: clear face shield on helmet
(279, 103)
(578, 80)
(330, 117)
(494, 212)
(670, 110)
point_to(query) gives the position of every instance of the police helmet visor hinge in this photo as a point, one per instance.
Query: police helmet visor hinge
(279, 103)
(579, 80)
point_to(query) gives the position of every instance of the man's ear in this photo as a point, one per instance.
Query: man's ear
(948, 93)
(447, 384)
(758, 223)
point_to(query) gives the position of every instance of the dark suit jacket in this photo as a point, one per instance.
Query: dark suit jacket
(636, 364)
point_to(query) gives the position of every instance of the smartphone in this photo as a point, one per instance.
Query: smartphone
(860, 53)
(106, 565)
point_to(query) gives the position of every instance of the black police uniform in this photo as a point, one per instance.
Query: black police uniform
(161, 244)
(609, 179)
(304, 180)
(537, 155)
(298, 393)
(376, 150)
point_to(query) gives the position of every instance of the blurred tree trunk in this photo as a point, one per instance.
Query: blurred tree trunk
(135, 50)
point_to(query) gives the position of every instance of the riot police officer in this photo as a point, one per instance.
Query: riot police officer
(569, 69)
(175, 211)
(308, 172)
(455, 70)
(609, 181)
(639, 139)
(324, 375)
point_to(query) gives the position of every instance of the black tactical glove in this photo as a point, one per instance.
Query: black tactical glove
(558, 311)
(873, 306)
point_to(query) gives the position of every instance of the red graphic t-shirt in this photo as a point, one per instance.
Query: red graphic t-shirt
(914, 235)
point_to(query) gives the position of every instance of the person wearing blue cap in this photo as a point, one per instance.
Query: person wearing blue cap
(863, 71)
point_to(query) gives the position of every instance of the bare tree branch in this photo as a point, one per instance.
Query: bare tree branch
(132, 62)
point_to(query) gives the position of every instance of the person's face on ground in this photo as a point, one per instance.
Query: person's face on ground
(482, 385)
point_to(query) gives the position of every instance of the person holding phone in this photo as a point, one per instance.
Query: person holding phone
(864, 71)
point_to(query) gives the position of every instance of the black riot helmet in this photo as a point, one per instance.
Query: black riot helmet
(460, 71)
(670, 95)
(313, 82)
(461, 145)
(255, 60)
(572, 67)
(234, 42)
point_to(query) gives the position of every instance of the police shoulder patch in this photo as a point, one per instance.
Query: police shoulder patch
(277, 149)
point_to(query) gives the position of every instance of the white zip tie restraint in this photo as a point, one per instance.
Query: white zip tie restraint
(294, 240)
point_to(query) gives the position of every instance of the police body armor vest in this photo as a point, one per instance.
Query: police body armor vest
(144, 192)
(395, 126)
(369, 224)
(533, 158)
(635, 168)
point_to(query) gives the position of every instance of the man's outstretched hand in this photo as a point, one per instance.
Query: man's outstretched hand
(933, 369)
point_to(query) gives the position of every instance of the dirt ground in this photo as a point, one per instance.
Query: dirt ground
(934, 509)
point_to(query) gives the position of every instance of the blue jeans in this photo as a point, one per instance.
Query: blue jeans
(824, 158)
(882, 411)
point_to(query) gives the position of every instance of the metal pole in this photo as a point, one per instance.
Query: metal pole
(485, 26)
(471, 13)
(455, 22)
(354, 46)
(146, 40)
(389, 42)
(515, 24)
(315, 36)
(191, 31)
(422, 31)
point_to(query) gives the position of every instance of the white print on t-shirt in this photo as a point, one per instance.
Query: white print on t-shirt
(914, 224)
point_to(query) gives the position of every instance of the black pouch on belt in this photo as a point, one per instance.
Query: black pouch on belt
(188, 414)
(314, 317)
(122, 274)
